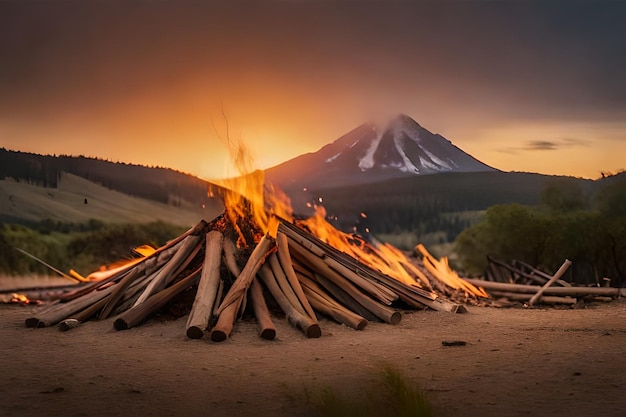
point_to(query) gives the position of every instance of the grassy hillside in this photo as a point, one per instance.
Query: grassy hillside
(77, 200)
(153, 183)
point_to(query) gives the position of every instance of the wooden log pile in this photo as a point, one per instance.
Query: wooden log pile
(294, 273)
(520, 282)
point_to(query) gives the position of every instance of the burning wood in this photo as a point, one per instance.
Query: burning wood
(302, 274)
(304, 267)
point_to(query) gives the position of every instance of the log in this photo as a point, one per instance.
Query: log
(121, 299)
(284, 258)
(60, 311)
(381, 311)
(331, 256)
(130, 295)
(320, 300)
(281, 279)
(118, 293)
(382, 294)
(297, 236)
(68, 324)
(412, 295)
(77, 319)
(559, 291)
(556, 276)
(351, 320)
(538, 273)
(140, 312)
(88, 312)
(225, 322)
(165, 275)
(263, 249)
(546, 299)
(308, 326)
(344, 298)
(233, 300)
(267, 330)
(202, 307)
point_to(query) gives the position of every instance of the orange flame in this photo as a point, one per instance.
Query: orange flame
(20, 298)
(248, 197)
(385, 258)
(388, 259)
(445, 274)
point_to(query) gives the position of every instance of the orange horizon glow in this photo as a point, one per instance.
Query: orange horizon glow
(519, 87)
(196, 150)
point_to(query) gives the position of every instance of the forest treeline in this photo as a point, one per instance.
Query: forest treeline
(445, 204)
(163, 185)
(588, 230)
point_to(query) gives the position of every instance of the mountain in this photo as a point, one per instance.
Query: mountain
(369, 155)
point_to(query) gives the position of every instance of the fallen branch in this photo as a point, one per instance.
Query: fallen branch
(559, 291)
(556, 276)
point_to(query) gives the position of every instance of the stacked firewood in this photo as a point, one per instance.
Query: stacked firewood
(236, 269)
(520, 282)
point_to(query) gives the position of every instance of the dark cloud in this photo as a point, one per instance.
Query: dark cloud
(545, 145)
(526, 59)
(541, 145)
(315, 69)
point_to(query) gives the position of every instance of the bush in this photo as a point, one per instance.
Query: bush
(72, 246)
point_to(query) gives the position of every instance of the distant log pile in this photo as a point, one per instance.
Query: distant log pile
(520, 282)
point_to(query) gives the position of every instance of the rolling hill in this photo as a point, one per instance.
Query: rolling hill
(78, 200)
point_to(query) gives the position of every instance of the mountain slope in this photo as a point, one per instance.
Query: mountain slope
(368, 155)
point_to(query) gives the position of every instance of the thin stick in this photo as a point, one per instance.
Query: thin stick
(556, 276)
(63, 274)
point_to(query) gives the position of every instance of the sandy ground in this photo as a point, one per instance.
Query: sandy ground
(517, 362)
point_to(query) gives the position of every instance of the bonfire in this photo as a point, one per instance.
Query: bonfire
(257, 258)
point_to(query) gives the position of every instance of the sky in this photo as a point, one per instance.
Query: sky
(535, 86)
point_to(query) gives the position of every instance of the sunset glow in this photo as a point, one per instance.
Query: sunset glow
(521, 86)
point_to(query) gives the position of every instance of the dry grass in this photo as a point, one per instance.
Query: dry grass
(67, 204)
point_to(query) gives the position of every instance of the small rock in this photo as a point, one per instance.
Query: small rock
(453, 343)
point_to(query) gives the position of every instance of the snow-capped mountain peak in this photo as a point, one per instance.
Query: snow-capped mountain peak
(369, 154)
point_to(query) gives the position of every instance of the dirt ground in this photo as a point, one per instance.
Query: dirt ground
(517, 362)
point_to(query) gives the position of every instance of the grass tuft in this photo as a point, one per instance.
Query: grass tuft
(390, 394)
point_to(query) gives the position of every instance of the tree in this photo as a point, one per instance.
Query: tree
(508, 232)
(563, 195)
